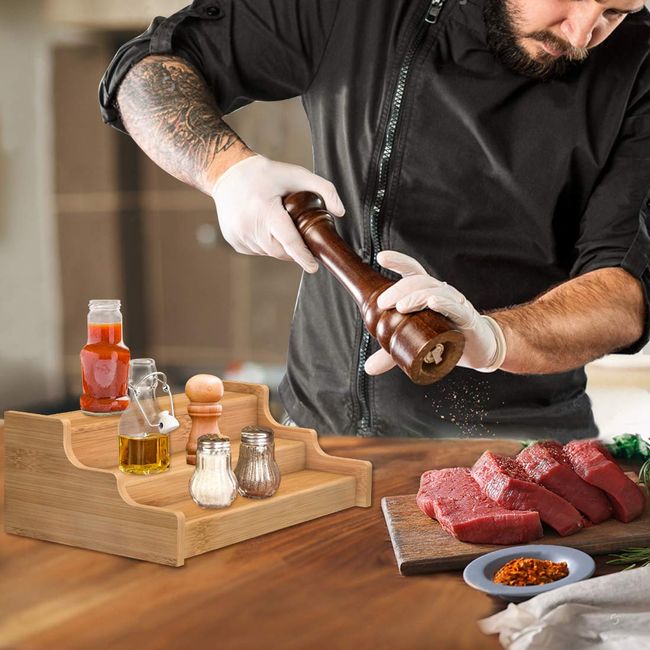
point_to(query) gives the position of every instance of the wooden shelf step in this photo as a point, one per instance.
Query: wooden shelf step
(302, 496)
(172, 486)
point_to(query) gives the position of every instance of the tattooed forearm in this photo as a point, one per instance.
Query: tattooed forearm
(168, 110)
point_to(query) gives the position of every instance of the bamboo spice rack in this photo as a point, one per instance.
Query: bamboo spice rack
(63, 484)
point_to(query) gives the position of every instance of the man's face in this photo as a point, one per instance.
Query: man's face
(544, 38)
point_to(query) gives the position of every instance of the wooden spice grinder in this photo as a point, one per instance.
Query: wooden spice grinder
(424, 344)
(205, 393)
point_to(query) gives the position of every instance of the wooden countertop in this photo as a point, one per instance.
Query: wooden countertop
(328, 583)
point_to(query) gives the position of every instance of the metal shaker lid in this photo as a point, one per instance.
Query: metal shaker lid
(256, 435)
(212, 442)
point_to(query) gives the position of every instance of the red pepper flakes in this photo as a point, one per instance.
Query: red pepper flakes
(527, 571)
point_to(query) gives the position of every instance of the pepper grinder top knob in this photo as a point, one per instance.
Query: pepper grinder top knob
(204, 393)
(299, 202)
(204, 388)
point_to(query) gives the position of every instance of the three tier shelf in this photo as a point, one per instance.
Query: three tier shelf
(63, 484)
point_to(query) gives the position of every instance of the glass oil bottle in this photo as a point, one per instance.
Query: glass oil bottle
(143, 433)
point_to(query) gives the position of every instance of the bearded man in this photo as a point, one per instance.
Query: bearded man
(492, 151)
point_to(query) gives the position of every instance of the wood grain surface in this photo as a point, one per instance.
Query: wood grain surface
(51, 495)
(422, 546)
(328, 583)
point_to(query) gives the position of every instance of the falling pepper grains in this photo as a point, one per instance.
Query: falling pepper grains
(527, 571)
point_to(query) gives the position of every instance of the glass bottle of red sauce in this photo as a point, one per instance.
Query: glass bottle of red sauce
(104, 361)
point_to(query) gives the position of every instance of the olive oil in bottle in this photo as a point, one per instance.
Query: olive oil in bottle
(149, 454)
(143, 432)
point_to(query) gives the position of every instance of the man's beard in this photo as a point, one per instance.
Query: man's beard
(503, 39)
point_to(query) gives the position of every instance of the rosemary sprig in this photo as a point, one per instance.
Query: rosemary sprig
(644, 473)
(632, 557)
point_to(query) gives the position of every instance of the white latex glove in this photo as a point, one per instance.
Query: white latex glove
(248, 197)
(485, 344)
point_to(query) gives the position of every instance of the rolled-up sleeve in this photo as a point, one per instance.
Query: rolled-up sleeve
(246, 50)
(614, 228)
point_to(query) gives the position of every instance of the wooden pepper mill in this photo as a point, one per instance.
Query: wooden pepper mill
(424, 344)
(204, 392)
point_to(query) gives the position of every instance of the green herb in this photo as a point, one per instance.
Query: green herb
(630, 445)
(632, 557)
(528, 443)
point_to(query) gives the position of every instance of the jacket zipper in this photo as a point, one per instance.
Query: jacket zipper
(434, 11)
(364, 425)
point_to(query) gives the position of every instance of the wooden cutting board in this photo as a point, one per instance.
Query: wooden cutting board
(422, 546)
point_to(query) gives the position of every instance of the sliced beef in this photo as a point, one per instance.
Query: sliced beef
(503, 480)
(454, 498)
(546, 464)
(592, 462)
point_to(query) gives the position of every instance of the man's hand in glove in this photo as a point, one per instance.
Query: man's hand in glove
(248, 197)
(485, 344)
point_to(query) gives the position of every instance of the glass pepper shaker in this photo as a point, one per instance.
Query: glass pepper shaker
(213, 484)
(257, 471)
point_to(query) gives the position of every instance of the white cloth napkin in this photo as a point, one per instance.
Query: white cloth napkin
(611, 612)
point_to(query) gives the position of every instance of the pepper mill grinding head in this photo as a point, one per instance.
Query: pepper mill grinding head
(425, 345)
(204, 393)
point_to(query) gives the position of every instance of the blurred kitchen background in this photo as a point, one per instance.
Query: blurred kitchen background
(84, 214)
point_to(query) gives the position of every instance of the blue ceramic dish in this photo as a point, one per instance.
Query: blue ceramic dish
(479, 573)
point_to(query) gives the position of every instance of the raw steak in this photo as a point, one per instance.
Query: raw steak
(592, 462)
(547, 464)
(454, 498)
(503, 480)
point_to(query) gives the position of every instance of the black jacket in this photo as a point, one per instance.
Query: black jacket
(501, 185)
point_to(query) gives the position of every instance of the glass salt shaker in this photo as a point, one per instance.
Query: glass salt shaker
(257, 471)
(213, 484)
